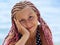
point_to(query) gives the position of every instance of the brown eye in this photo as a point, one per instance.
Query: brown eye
(30, 17)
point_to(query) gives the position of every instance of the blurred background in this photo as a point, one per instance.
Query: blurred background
(49, 10)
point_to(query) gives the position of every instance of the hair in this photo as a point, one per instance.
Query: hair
(16, 35)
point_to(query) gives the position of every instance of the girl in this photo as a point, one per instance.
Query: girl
(25, 29)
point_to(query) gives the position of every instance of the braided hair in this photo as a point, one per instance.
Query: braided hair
(16, 35)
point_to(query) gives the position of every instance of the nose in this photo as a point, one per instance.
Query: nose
(28, 24)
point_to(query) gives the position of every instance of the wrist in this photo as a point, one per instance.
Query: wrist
(27, 34)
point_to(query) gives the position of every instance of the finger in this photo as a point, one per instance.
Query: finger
(17, 23)
(15, 20)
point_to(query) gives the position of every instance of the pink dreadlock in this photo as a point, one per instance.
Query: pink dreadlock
(44, 27)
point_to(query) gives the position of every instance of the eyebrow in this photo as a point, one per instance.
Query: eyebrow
(28, 15)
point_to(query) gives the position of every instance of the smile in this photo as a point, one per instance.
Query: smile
(30, 27)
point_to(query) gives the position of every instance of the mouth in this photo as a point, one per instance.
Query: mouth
(30, 27)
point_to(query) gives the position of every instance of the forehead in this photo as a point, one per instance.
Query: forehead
(24, 12)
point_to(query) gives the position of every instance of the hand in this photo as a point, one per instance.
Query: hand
(20, 28)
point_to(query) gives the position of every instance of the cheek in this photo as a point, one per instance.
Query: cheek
(24, 25)
(35, 22)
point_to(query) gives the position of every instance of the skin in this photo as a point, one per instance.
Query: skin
(25, 19)
(28, 19)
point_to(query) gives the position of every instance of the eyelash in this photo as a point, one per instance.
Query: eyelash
(30, 18)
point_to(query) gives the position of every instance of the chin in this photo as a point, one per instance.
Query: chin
(32, 30)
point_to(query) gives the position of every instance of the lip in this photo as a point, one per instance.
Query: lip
(30, 27)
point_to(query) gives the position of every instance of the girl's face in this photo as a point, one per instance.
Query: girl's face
(28, 18)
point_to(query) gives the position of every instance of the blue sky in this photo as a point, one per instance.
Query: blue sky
(49, 9)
